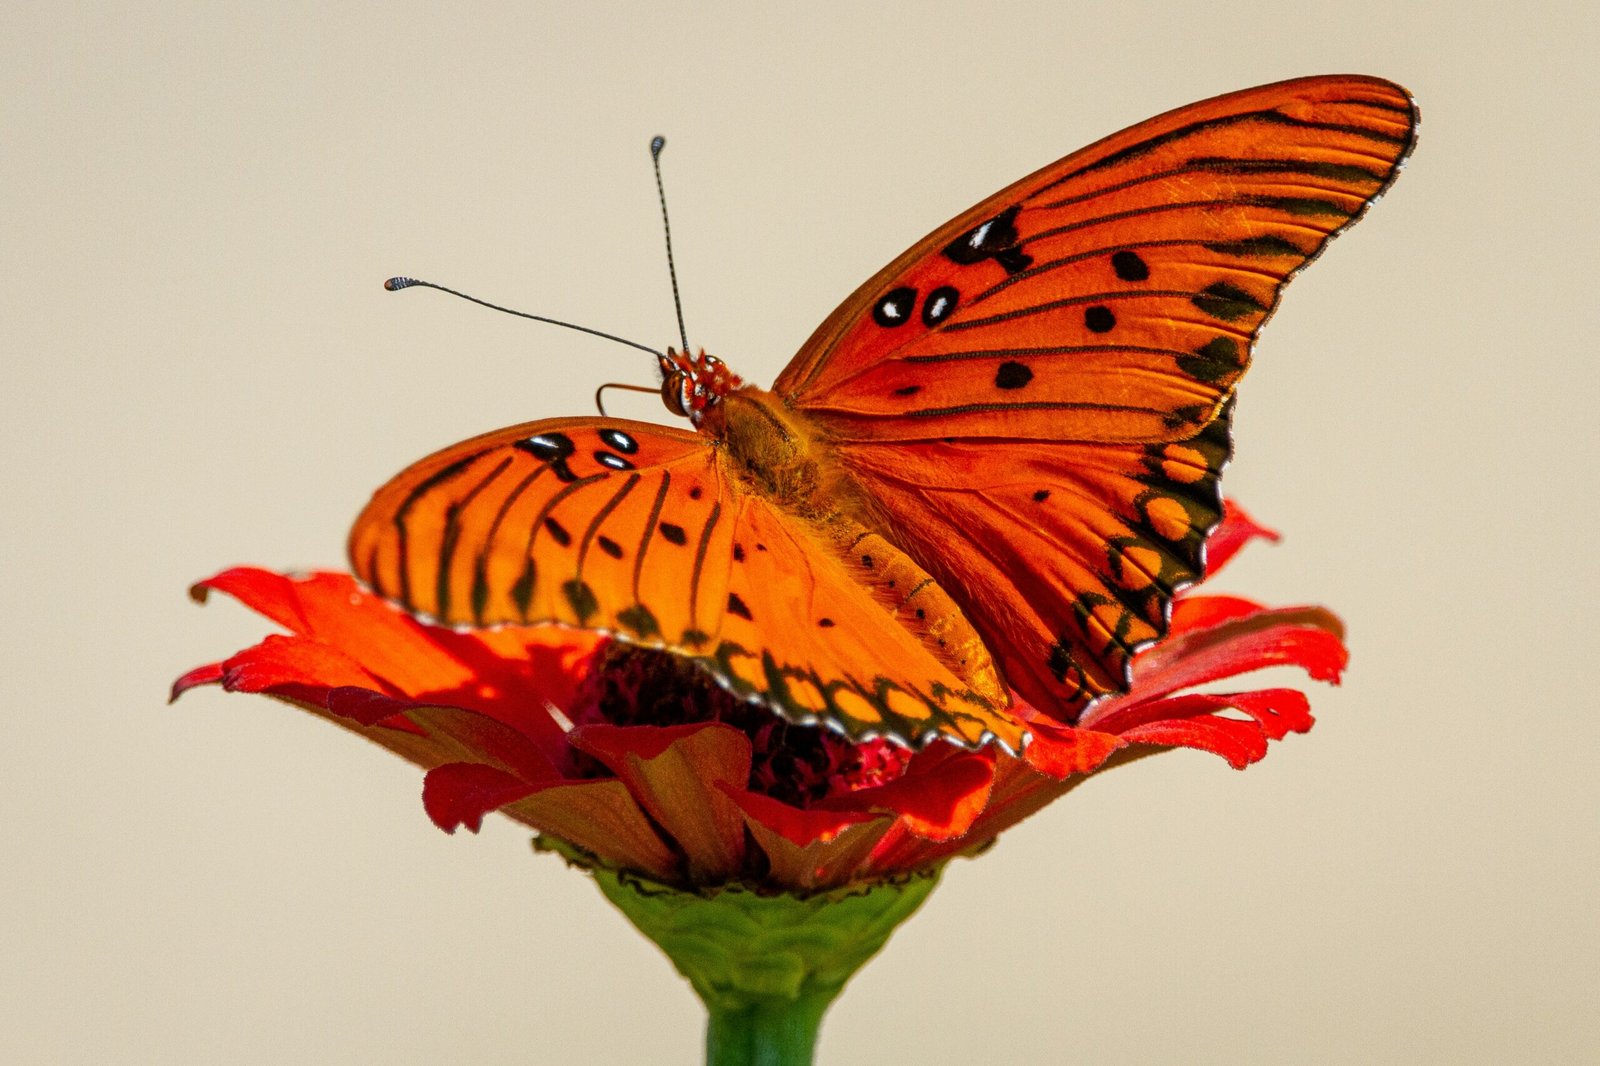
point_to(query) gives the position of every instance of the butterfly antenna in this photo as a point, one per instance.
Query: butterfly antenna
(396, 284)
(599, 403)
(656, 144)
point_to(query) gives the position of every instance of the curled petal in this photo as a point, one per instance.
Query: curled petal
(676, 772)
(1196, 720)
(310, 673)
(1203, 612)
(942, 792)
(333, 609)
(461, 793)
(603, 818)
(1060, 751)
(510, 674)
(209, 674)
(1235, 530)
(809, 849)
(1307, 637)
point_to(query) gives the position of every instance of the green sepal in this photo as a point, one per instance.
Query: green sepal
(767, 966)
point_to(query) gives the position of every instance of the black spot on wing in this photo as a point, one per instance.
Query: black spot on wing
(1099, 319)
(995, 239)
(939, 305)
(1012, 375)
(894, 308)
(1218, 360)
(673, 533)
(1267, 246)
(620, 441)
(557, 531)
(1129, 266)
(552, 448)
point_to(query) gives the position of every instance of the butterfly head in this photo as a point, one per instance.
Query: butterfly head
(693, 384)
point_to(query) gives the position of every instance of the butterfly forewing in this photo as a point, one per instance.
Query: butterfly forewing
(638, 530)
(1114, 295)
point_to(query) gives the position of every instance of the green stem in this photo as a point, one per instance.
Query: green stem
(772, 1032)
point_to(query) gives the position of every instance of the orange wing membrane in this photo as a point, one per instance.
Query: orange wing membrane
(1034, 395)
(638, 530)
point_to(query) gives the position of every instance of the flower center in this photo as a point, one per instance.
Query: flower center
(793, 763)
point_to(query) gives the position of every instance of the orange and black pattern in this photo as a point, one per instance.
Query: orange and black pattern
(637, 530)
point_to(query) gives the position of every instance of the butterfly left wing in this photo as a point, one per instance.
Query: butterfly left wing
(1074, 339)
(640, 531)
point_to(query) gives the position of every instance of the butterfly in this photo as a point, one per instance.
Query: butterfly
(987, 472)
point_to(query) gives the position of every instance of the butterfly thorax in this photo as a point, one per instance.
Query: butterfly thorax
(776, 453)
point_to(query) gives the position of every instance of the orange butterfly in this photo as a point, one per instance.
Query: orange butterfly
(1007, 442)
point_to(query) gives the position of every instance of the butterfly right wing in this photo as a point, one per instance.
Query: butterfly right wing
(640, 531)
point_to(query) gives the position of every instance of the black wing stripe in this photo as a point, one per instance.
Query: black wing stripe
(699, 564)
(1150, 144)
(600, 517)
(480, 565)
(1344, 172)
(452, 536)
(649, 531)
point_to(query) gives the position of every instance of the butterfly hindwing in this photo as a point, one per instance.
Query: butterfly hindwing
(640, 531)
(1078, 548)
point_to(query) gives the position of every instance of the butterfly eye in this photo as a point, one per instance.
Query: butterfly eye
(672, 392)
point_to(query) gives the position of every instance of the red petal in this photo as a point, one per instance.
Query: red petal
(809, 849)
(1307, 637)
(1241, 743)
(295, 668)
(1234, 531)
(603, 818)
(468, 736)
(209, 674)
(1193, 721)
(1203, 612)
(332, 608)
(938, 797)
(509, 674)
(461, 793)
(676, 773)
(1061, 751)
(797, 826)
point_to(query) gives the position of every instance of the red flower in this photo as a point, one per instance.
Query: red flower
(642, 763)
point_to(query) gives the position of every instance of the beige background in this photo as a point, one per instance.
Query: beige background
(200, 369)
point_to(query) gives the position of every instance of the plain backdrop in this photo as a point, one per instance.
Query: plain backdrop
(200, 369)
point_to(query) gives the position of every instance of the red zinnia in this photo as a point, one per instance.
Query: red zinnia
(643, 764)
(637, 765)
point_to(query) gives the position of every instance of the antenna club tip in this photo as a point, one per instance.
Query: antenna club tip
(657, 143)
(396, 284)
